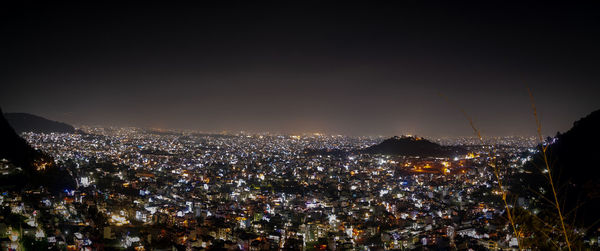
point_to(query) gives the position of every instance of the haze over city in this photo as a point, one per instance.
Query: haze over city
(354, 68)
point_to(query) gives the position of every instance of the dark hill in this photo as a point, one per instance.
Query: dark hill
(413, 146)
(14, 148)
(575, 168)
(25, 122)
(38, 168)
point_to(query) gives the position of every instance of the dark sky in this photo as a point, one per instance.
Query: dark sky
(352, 68)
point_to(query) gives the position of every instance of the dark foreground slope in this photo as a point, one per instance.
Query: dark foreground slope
(38, 168)
(15, 149)
(574, 164)
(412, 146)
(25, 122)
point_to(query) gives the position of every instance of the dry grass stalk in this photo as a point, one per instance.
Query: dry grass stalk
(544, 148)
(496, 174)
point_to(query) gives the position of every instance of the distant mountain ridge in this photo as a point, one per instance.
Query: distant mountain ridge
(25, 122)
(38, 168)
(14, 148)
(413, 146)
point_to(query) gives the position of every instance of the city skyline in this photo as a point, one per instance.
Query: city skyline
(284, 126)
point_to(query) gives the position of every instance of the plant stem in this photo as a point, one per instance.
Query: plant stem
(544, 148)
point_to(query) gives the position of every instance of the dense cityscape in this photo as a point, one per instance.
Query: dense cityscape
(299, 125)
(149, 189)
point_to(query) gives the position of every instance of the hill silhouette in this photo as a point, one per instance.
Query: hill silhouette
(38, 168)
(25, 122)
(15, 149)
(413, 146)
(575, 168)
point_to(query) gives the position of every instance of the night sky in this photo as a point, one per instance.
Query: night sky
(353, 68)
